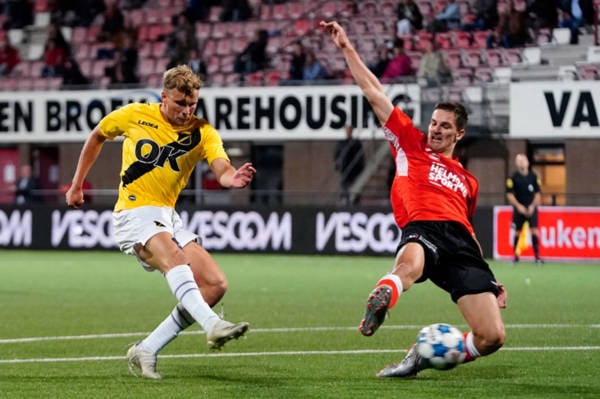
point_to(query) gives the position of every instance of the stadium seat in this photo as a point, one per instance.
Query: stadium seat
(210, 48)
(22, 69)
(224, 46)
(239, 44)
(227, 63)
(213, 65)
(462, 76)
(329, 9)
(203, 30)
(472, 58)
(220, 30)
(589, 71)
(39, 84)
(145, 48)
(146, 67)
(296, 10)
(9, 84)
(443, 40)
(160, 65)
(494, 57)
(264, 12)
(153, 15)
(480, 38)
(41, 6)
(99, 68)
(453, 58)
(462, 39)
(279, 11)
(483, 75)
(136, 18)
(272, 78)
(255, 78)
(85, 66)
(512, 55)
(36, 69)
(301, 27)
(159, 49)
(214, 14)
(237, 29)
(154, 80)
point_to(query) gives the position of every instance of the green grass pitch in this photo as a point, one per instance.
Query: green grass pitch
(67, 319)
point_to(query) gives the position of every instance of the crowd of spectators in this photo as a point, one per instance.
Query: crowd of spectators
(509, 23)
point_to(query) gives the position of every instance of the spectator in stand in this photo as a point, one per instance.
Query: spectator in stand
(511, 30)
(409, 16)
(571, 18)
(486, 12)
(235, 11)
(181, 40)
(469, 19)
(349, 159)
(113, 22)
(131, 4)
(400, 65)
(433, 70)
(448, 18)
(124, 70)
(254, 56)
(25, 186)
(73, 78)
(75, 12)
(197, 10)
(54, 32)
(296, 71)
(378, 65)
(313, 68)
(19, 14)
(9, 56)
(197, 64)
(543, 13)
(587, 10)
(54, 59)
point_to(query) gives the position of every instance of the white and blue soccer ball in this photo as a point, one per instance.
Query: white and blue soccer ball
(442, 345)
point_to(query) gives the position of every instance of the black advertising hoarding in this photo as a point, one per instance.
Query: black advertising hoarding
(302, 230)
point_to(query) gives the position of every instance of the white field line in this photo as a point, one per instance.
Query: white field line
(267, 330)
(281, 353)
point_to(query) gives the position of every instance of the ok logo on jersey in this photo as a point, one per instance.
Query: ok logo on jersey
(150, 155)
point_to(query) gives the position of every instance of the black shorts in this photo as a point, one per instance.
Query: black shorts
(519, 219)
(453, 260)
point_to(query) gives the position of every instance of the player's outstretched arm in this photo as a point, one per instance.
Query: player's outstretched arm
(365, 79)
(89, 153)
(230, 177)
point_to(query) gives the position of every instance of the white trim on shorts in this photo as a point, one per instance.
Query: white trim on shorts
(138, 225)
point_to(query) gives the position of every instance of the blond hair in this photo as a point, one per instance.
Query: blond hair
(181, 78)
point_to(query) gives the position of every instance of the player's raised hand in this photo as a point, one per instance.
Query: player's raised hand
(243, 175)
(336, 32)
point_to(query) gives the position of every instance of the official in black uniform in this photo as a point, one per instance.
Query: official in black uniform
(524, 194)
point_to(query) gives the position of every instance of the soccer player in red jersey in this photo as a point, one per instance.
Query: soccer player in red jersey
(433, 197)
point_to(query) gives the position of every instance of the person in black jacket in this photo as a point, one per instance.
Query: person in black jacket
(349, 162)
(254, 57)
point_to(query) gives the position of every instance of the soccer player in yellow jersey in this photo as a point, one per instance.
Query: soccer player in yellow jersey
(162, 144)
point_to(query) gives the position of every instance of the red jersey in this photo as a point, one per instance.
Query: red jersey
(427, 185)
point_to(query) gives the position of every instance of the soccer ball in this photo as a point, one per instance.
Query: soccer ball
(441, 345)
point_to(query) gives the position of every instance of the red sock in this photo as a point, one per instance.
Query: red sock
(395, 293)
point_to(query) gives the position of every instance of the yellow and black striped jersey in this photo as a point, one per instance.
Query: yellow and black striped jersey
(157, 158)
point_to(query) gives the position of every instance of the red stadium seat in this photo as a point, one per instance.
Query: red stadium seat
(146, 67)
(203, 30)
